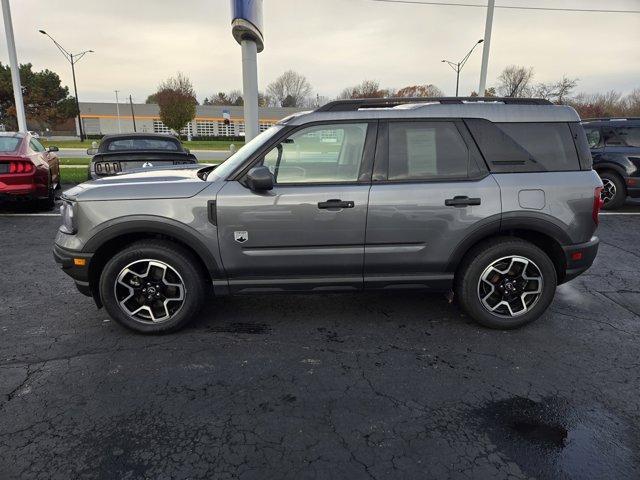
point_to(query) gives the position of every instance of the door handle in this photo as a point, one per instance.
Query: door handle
(336, 203)
(461, 201)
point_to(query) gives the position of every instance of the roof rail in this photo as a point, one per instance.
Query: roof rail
(357, 103)
(607, 119)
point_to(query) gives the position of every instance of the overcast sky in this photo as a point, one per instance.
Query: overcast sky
(335, 43)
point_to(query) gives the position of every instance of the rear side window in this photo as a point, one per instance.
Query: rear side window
(9, 144)
(526, 147)
(628, 136)
(426, 151)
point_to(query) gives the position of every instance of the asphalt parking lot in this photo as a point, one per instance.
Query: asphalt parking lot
(383, 386)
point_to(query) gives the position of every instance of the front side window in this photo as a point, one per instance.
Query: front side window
(141, 144)
(319, 154)
(36, 145)
(593, 136)
(426, 151)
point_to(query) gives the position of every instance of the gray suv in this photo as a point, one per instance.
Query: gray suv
(493, 199)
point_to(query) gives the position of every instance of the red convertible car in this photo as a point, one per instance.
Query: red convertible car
(28, 171)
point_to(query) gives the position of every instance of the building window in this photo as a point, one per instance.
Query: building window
(226, 130)
(240, 128)
(265, 126)
(159, 127)
(206, 128)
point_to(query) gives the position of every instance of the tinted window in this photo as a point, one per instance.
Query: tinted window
(141, 144)
(549, 145)
(629, 136)
(9, 144)
(426, 151)
(36, 145)
(593, 136)
(318, 154)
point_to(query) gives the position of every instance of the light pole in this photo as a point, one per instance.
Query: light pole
(72, 58)
(118, 111)
(457, 66)
(15, 69)
(485, 50)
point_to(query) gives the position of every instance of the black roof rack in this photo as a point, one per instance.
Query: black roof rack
(608, 119)
(357, 103)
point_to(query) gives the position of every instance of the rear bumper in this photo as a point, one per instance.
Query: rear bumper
(21, 189)
(579, 257)
(80, 274)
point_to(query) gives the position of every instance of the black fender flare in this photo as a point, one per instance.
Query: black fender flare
(501, 225)
(149, 224)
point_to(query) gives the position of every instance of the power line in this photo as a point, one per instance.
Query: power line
(509, 7)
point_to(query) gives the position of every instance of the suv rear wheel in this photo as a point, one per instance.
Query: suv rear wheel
(614, 192)
(152, 286)
(505, 283)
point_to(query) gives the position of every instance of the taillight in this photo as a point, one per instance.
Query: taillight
(20, 166)
(597, 203)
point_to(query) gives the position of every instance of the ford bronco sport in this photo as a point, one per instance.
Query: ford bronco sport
(493, 199)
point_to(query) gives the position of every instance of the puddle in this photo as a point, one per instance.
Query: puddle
(251, 328)
(551, 438)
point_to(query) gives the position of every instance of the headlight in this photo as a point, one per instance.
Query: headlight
(68, 214)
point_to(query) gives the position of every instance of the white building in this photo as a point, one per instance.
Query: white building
(102, 119)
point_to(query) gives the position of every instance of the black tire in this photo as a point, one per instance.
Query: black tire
(177, 258)
(613, 183)
(468, 282)
(49, 201)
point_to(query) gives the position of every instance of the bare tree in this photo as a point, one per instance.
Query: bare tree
(557, 92)
(366, 89)
(429, 90)
(632, 103)
(514, 81)
(609, 104)
(291, 88)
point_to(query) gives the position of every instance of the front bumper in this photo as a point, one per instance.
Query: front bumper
(579, 257)
(79, 273)
(633, 186)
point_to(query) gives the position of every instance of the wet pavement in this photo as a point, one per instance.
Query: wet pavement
(379, 385)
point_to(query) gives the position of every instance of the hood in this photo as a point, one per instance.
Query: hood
(139, 185)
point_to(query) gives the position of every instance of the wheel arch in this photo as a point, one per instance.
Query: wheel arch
(547, 236)
(113, 238)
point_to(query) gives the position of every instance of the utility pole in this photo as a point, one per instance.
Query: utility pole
(133, 115)
(485, 51)
(118, 111)
(72, 58)
(15, 69)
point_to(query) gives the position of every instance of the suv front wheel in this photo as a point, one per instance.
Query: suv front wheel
(613, 193)
(505, 283)
(152, 286)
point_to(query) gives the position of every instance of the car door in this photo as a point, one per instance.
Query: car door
(431, 193)
(308, 231)
(49, 158)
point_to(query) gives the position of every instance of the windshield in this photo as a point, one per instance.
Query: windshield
(9, 144)
(141, 144)
(238, 158)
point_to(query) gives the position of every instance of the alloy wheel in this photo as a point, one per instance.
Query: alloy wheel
(510, 286)
(150, 291)
(608, 192)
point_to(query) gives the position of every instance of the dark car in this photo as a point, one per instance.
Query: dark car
(28, 170)
(132, 151)
(615, 148)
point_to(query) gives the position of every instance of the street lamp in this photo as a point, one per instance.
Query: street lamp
(72, 58)
(457, 66)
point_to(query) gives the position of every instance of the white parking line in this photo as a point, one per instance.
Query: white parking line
(29, 214)
(620, 213)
